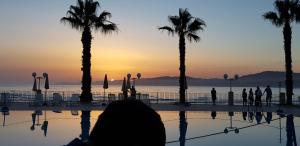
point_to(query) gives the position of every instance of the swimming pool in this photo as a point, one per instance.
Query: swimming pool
(56, 128)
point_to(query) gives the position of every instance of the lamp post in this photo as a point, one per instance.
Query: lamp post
(230, 93)
(37, 89)
(138, 76)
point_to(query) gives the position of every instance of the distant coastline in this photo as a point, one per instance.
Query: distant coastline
(265, 78)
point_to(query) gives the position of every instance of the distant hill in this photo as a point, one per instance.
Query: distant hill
(265, 78)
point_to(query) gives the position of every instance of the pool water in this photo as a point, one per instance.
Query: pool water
(192, 128)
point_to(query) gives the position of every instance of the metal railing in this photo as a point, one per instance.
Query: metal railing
(17, 96)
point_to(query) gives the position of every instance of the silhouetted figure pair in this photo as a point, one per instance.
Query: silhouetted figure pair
(268, 91)
(251, 97)
(258, 95)
(244, 96)
(214, 96)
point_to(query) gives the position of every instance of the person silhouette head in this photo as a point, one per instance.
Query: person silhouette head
(128, 123)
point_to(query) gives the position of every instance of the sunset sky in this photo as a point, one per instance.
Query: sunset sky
(236, 40)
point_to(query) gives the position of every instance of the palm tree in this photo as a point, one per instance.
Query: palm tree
(185, 26)
(287, 11)
(84, 17)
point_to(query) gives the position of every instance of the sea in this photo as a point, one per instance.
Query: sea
(142, 89)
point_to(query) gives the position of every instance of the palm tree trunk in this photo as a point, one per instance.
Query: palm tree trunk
(182, 68)
(86, 95)
(287, 33)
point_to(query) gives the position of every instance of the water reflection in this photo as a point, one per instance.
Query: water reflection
(182, 127)
(5, 112)
(282, 127)
(213, 114)
(290, 131)
(45, 124)
(85, 125)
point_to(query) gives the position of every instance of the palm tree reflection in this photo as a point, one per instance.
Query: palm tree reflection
(182, 127)
(291, 139)
(85, 125)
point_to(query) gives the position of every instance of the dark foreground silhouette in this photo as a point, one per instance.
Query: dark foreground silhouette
(126, 123)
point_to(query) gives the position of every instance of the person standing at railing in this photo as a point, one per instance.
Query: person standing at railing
(268, 90)
(250, 97)
(133, 92)
(214, 96)
(244, 96)
(258, 95)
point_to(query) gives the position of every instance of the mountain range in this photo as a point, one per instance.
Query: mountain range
(265, 78)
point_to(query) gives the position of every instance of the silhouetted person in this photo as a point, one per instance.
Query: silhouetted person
(244, 95)
(258, 95)
(128, 123)
(214, 96)
(251, 97)
(268, 91)
(213, 114)
(133, 92)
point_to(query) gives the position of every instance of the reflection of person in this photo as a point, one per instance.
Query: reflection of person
(258, 117)
(214, 96)
(244, 95)
(269, 117)
(244, 115)
(268, 96)
(250, 96)
(128, 123)
(213, 114)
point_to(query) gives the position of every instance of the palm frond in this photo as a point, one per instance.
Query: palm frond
(104, 16)
(273, 18)
(167, 28)
(174, 20)
(185, 17)
(106, 28)
(74, 23)
(196, 25)
(295, 10)
(193, 37)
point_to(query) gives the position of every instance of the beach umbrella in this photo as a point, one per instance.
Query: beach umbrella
(105, 84)
(34, 88)
(128, 81)
(124, 87)
(46, 80)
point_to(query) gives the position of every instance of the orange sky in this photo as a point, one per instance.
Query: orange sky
(34, 40)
